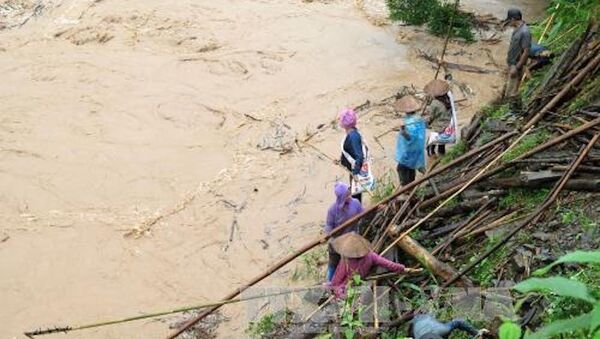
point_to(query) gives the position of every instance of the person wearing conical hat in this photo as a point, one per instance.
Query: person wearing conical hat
(439, 116)
(343, 209)
(357, 258)
(410, 143)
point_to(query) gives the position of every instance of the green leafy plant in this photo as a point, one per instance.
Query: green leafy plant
(444, 15)
(311, 265)
(385, 187)
(456, 151)
(270, 324)
(588, 321)
(435, 14)
(528, 198)
(509, 330)
(412, 12)
(527, 143)
(352, 309)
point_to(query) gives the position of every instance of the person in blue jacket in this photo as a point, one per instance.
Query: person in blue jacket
(410, 143)
(353, 150)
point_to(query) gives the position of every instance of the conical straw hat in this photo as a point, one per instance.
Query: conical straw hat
(351, 245)
(437, 88)
(407, 103)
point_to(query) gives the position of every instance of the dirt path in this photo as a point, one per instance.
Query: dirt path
(167, 118)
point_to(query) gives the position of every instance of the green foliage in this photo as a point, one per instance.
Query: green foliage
(509, 330)
(456, 151)
(261, 328)
(495, 112)
(352, 309)
(583, 316)
(527, 198)
(557, 285)
(576, 215)
(588, 94)
(435, 14)
(444, 15)
(580, 257)
(385, 187)
(412, 12)
(527, 143)
(570, 19)
(270, 324)
(484, 272)
(310, 265)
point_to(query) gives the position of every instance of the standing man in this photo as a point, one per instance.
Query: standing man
(516, 58)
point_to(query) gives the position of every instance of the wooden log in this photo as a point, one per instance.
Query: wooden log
(580, 184)
(463, 207)
(435, 266)
(452, 65)
(581, 168)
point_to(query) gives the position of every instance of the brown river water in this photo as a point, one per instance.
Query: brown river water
(139, 162)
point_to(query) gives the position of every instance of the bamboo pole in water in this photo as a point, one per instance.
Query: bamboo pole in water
(321, 240)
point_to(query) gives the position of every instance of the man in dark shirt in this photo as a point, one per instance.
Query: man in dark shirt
(518, 52)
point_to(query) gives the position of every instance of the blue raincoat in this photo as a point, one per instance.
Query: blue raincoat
(411, 152)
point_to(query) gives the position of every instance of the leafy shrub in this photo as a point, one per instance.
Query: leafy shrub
(412, 12)
(587, 321)
(443, 15)
(437, 15)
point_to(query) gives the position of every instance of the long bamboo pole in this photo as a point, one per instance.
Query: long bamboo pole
(321, 240)
(66, 329)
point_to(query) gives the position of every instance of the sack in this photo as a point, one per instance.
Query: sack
(364, 180)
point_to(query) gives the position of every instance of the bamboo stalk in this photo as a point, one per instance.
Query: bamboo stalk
(498, 222)
(66, 329)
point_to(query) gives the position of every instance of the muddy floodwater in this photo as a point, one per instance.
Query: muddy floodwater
(146, 147)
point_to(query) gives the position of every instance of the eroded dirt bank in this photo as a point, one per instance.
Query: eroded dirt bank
(169, 118)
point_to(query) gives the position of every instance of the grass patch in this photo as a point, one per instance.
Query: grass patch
(590, 92)
(572, 215)
(527, 143)
(384, 188)
(270, 324)
(495, 112)
(527, 198)
(311, 265)
(485, 272)
(456, 151)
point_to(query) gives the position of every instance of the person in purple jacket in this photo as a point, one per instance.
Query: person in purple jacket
(344, 208)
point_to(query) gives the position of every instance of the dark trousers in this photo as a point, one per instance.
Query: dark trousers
(441, 149)
(334, 259)
(406, 175)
